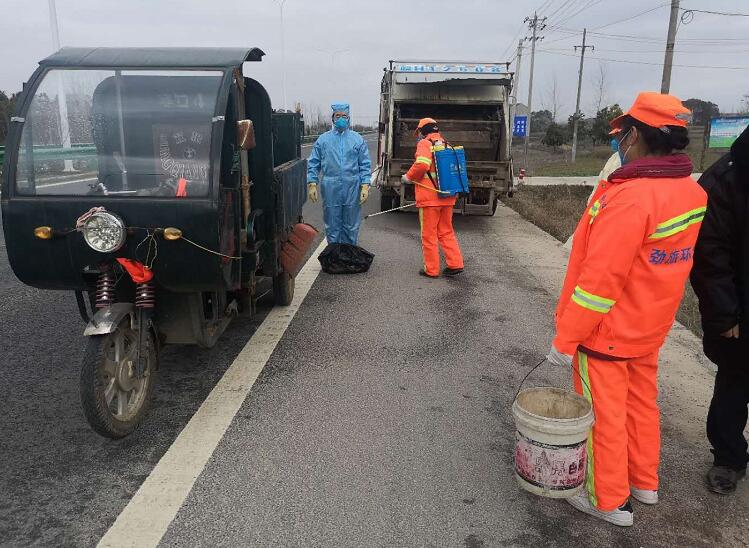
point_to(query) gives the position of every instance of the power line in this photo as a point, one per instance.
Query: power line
(544, 6)
(647, 63)
(513, 41)
(630, 18)
(644, 39)
(716, 12)
(681, 40)
(563, 6)
(681, 50)
(570, 37)
(570, 8)
(587, 6)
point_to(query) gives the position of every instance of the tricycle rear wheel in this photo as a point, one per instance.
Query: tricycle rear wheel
(283, 289)
(114, 400)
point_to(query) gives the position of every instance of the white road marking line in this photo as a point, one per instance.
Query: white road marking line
(89, 180)
(147, 516)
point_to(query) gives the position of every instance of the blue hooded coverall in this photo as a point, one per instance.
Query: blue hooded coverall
(343, 158)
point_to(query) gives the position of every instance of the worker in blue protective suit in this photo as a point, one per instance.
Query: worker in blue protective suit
(342, 157)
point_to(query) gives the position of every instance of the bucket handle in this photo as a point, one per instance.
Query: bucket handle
(539, 364)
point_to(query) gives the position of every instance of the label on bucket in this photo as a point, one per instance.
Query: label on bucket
(552, 467)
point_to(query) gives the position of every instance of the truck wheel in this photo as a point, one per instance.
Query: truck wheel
(283, 289)
(386, 202)
(114, 400)
(494, 205)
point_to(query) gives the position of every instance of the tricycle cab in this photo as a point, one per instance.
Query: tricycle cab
(130, 163)
(151, 136)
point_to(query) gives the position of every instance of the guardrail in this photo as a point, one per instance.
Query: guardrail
(83, 150)
(306, 139)
(54, 152)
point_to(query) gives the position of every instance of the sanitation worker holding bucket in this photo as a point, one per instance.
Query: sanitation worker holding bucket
(435, 209)
(630, 260)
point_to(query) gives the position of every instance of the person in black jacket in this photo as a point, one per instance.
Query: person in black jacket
(720, 278)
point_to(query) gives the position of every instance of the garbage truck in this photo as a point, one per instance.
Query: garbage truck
(471, 103)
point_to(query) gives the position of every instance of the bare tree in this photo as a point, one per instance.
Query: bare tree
(601, 86)
(553, 101)
(313, 118)
(745, 104)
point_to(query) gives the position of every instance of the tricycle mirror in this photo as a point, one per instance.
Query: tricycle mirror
(246, 134)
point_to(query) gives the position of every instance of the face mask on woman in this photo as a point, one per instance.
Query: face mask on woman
(341, 123)
(617, 147)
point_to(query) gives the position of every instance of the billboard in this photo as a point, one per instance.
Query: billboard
(724, 131)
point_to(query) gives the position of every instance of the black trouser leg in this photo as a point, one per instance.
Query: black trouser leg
(727, 418)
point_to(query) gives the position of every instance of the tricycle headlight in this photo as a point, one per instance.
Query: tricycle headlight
(104, 232)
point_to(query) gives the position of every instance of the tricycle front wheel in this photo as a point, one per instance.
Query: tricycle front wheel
(114, 399)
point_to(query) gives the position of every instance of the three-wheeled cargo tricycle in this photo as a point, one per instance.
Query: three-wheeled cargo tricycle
(160, 187)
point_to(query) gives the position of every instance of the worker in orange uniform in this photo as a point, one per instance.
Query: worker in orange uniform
(630, 260)
(435, 210)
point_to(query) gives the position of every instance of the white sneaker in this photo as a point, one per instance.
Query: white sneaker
(622, 516)
(645, 496)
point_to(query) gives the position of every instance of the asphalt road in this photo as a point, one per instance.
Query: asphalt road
(62, 484)
(382, 418)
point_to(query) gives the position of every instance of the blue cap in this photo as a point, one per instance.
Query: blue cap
(341, 107)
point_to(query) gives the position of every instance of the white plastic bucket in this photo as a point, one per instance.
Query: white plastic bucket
(552, 432)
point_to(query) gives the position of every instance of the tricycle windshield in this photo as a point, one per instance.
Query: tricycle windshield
(120, 133)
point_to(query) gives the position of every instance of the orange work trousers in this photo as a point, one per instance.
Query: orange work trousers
(625, 444)
(437, 230)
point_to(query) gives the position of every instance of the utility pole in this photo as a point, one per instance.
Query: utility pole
(670, 41)
(579, 88)
(516, 88)
(536, 25)
(283, 57)
(62, 102)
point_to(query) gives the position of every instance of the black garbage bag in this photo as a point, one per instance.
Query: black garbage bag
(345, 259)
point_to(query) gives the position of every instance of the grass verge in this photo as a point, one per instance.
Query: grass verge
(556, 209)
(544, 161)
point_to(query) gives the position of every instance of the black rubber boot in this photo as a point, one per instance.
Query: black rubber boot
(723, 480)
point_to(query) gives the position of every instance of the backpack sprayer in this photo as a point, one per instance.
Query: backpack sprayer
(452, 174)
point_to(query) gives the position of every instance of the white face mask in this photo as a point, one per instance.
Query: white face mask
(623, 155)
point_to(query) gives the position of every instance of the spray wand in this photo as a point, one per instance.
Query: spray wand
(389, 210)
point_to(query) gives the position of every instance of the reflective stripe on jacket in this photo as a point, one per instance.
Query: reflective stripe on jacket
(630, 260)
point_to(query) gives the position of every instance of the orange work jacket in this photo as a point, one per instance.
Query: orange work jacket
(418, 173)
(631, 256)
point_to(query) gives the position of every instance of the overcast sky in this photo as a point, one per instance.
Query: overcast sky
(336, 49)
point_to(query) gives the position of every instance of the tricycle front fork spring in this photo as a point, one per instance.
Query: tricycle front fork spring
(145, 295)
(105, 286)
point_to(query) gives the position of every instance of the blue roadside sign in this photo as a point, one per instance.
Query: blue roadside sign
(519, 126)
